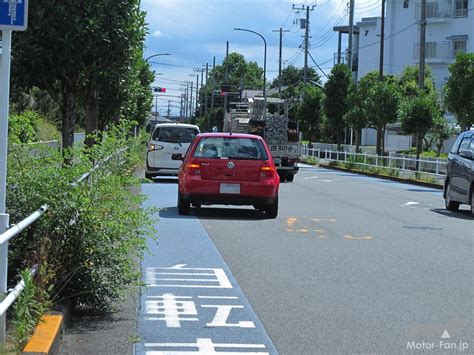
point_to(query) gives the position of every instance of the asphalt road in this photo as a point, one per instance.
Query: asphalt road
(351, 265)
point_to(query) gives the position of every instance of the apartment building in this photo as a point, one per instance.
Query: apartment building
(449, 30)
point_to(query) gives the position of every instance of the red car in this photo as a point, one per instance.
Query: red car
(228, 169)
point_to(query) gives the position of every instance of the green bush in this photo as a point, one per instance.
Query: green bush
(23, 128)
(93, 233)
(28, 309)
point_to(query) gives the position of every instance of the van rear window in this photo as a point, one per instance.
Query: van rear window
(175, 134)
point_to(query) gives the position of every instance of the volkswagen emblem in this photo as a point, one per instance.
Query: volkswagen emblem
(231, 165)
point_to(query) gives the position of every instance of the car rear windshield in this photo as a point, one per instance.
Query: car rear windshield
(175, 134)
(230, 148)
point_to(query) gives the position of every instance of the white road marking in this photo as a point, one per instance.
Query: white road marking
(411, 203)
(219, 297)
(218, 276)
(205, 346)
(222, 314)
(173, 310)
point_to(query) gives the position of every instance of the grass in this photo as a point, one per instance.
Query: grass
(424, 154)
(383, 171)
(310, 160)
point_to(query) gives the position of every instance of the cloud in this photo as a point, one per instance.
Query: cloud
(157, 33)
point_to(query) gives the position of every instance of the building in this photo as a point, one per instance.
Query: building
(449, 31)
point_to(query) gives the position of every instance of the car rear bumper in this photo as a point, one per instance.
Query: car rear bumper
(237, 200)
(207, 192)
(161, 170)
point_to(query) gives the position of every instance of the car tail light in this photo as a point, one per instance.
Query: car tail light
(193, 168)
(267, 171)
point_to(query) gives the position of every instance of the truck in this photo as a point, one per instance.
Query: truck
(280, 133)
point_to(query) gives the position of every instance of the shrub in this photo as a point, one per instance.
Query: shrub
(93, 233)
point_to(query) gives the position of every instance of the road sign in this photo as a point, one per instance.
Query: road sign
(13, 15)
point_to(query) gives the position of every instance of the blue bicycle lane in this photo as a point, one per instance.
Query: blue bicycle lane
(191, 303)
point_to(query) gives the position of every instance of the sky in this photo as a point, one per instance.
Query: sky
(196, 31)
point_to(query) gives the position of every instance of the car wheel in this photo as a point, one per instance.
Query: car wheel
(183, 205)
(149, 176)
(290, 177)
(472, 202)
(448, 202)
(272, 210)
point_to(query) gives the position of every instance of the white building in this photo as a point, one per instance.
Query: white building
(449, 30)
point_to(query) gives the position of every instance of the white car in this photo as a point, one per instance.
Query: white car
(167, 139)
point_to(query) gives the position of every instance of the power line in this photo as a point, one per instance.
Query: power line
(322, 71)
(390, 36)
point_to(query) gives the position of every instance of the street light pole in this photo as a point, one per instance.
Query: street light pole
(155, 55)
(264, 67)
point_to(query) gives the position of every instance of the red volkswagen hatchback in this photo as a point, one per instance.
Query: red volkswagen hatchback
(228, 169)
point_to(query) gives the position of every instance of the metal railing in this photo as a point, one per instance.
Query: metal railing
(435, 167)
(10, 295)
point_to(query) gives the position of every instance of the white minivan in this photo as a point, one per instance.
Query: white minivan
(167, 139)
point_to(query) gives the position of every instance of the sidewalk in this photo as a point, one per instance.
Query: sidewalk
(113, 333)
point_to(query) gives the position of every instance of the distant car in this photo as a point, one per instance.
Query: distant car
(165, 140)
(459, 184)
(228, 169)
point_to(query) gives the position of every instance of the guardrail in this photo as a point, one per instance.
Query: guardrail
(11, 295)
(433, 167)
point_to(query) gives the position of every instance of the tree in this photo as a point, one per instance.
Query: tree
(440, 131)
(293, 81)
(242, 74)
(356, 116)
(408, 81)
(417, 115)
(459, 90)
(72, 47)
(383, 99)
(309, 111)
(335, 101)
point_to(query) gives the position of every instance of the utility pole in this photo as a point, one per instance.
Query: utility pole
(306, 38)
(169, 111)
(191, 101)
(382, 40)
(226, 77)
(206, 97)
(421, 69)
(181, 107)
(186, 102)
(156, 106)
(197, 91)
(351, 34)
(280, 57)
(212, 83)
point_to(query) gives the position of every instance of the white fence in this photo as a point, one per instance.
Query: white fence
(435, 167)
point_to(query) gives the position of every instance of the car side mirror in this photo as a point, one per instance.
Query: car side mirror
(467, 154)
(177, 156)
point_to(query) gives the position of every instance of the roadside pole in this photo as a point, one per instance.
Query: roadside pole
(4, 108)
(13, 17)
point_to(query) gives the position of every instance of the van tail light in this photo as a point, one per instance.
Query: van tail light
(267, 172)
(152, 147)
(193, 168)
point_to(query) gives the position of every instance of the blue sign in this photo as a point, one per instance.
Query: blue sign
(13, 15)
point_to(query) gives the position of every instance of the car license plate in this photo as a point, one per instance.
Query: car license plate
(229, 189)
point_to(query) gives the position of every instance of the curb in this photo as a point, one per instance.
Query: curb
(393, 178)
(46, 339)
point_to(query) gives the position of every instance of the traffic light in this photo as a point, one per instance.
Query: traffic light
(225, 90)
(159, 89)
